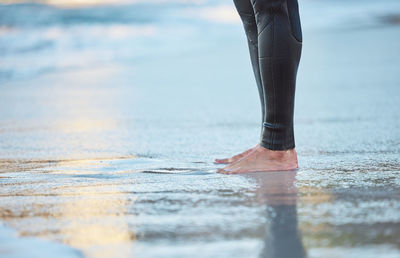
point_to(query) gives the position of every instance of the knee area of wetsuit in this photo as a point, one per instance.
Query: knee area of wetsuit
(266, 10)
(268, 7)
(283, 12)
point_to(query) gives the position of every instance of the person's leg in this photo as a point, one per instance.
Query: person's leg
(246, 13)
(279, 54)
(279, 48)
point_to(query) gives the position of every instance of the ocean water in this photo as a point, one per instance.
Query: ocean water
(111, 113)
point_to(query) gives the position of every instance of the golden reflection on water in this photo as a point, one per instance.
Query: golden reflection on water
(82, 115)
(90, 215)
(81, 125)
(97, 224)
(93, 214)
(314, 195)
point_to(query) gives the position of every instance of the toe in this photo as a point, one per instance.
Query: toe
(223, 171)
(221, 161)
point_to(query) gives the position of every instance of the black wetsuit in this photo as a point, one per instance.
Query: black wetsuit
(274, 36)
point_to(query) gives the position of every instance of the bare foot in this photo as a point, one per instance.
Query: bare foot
(234, 158)
(263, 159)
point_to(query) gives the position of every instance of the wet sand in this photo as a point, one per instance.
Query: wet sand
(110, 118)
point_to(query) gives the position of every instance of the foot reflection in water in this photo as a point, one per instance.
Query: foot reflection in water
(277, 191)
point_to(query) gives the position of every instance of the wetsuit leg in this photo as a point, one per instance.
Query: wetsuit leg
(279, 50)
(246, 13)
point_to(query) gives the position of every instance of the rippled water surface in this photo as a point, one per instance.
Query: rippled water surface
(111, 113)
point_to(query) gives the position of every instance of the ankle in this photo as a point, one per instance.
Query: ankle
(279, 154)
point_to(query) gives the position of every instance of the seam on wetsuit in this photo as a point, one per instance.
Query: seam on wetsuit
(274, 57)
(266, 25)
(274, 126)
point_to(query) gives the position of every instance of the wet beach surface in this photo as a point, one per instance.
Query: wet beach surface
(111, 115)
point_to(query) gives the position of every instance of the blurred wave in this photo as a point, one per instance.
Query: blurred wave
(42, 36)
(33, 15)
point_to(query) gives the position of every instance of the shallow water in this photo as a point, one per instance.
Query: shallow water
(110, 117)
